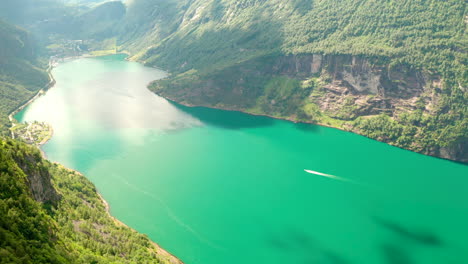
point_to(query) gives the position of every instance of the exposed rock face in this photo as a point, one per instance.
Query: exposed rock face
(457, 152)
(371, 88)
(316, 63)
(359, 75)
(39, 179)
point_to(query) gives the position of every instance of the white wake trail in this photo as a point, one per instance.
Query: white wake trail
(329, 176)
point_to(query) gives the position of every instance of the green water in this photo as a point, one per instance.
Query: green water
(218, 187)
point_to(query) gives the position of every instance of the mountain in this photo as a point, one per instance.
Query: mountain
(22, 75)
(394, 71)
(96, 22)
(52, 22)
(50, 214)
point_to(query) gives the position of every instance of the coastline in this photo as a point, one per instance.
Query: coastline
(158, 249)
(298, 122)
(53, 62)
(37, 95)
(253, 114)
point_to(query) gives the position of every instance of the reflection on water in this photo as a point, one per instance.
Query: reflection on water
(116, 99)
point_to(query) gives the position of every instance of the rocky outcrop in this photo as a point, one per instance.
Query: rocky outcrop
(457, 152)
(39, 178)
(359, 75)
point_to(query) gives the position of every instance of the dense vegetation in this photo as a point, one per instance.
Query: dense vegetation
(71, 225)
(21, 74)
(27, 232)
(423, 33)
(203, 42)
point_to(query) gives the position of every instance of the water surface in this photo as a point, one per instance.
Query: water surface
(219, 187)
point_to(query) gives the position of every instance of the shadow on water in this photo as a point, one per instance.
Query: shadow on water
(394, 254)
(422, 237)
(312, 128)
(300, 244)
(225, 119)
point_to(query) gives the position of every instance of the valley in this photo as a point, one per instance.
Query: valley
(227, 131)
(170, 161)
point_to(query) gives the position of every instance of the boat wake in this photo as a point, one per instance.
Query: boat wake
(329, 176)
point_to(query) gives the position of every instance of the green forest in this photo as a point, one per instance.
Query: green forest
(22, 75)
(69, 223)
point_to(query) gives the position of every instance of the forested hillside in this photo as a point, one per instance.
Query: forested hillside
(49, 214)
(391, 70)
(21, 73)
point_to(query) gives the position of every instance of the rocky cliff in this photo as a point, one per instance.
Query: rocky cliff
(342, 91)
(38, 176)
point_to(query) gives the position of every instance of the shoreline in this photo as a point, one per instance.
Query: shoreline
(39, 93)
(254, 114)
(299, 122)
(159, 250)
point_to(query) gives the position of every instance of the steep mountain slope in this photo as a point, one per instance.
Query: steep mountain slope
(97, 22)
(57, 21)
(26, 12)
(391, 70)
(49, 214)
(21, 74)
(147, 22)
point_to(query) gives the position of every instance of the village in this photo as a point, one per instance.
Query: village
(34, 133)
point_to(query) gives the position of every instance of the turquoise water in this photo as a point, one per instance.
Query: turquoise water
(214, 186)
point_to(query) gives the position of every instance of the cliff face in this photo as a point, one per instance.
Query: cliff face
(372, 88)
(39, 178)
(348, 90)
(358, 74)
